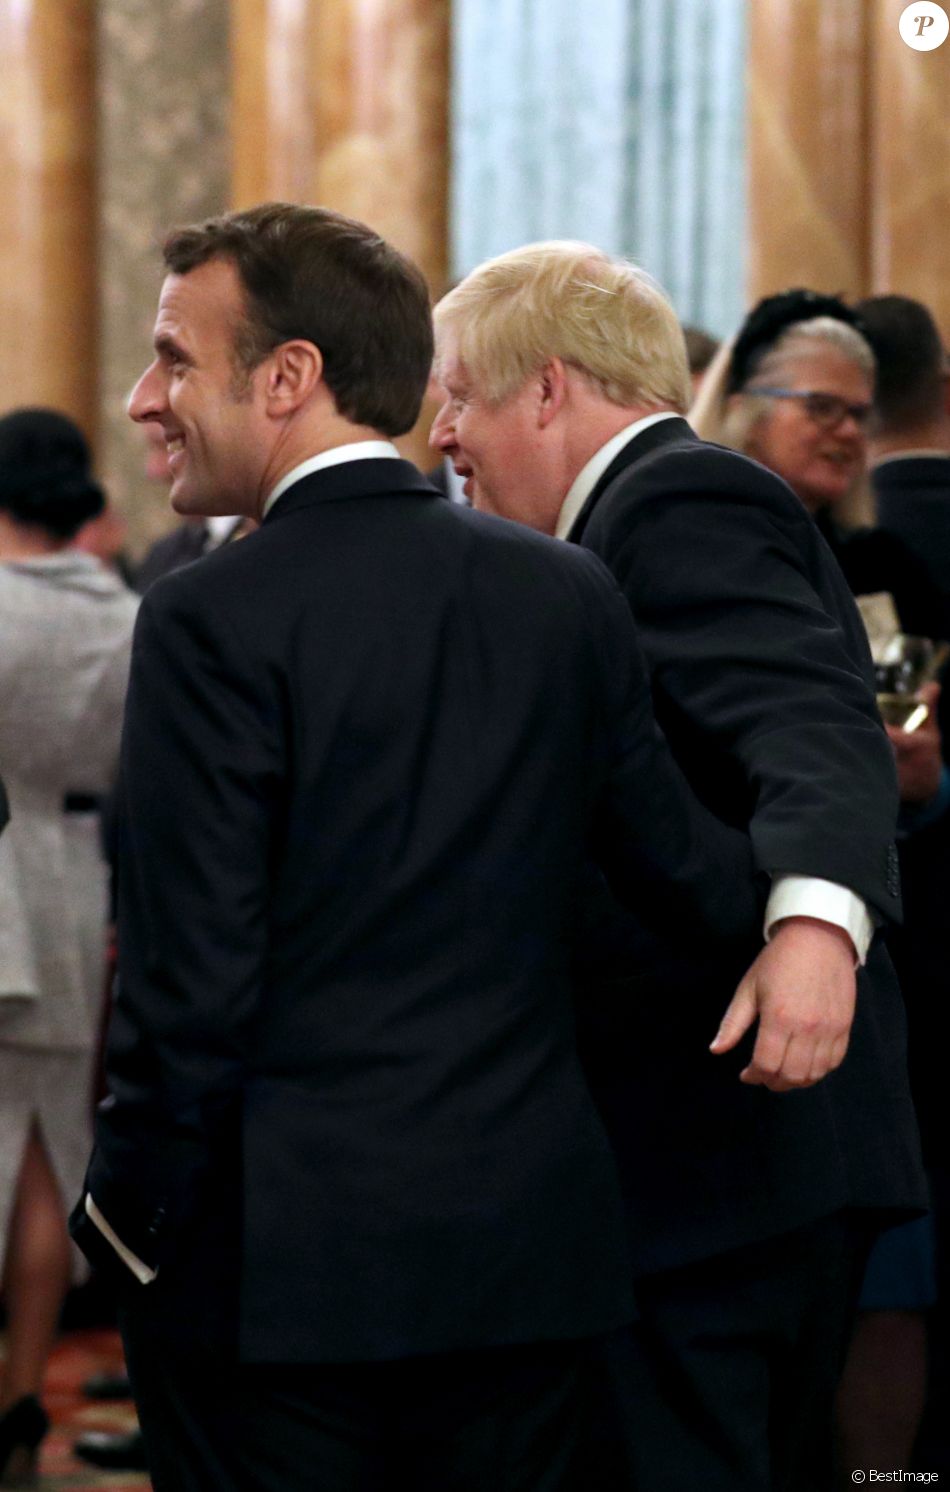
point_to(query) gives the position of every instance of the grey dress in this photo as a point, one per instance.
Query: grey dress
(65, 633)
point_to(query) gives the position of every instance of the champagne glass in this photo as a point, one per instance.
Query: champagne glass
(901, 669)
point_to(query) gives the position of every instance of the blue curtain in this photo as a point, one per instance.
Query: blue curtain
(620, 122)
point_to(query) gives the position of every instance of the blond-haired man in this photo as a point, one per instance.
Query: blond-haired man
(567, 379)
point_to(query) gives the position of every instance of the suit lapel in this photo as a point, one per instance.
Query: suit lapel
(654, 438)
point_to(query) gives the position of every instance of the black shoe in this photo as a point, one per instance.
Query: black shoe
(108, 1386)
(123, 1452)
(21, 1430)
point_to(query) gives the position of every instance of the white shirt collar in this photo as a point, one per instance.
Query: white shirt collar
(219, 527)
(354, 450)
(590, 474)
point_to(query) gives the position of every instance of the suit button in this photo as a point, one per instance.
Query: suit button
(893, 878)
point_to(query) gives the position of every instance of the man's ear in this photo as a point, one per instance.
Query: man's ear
(294, 371)
(552, 391)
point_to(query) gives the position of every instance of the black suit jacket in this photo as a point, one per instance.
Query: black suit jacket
(362, 750)
(912, 494)
(761, 680)
(182, 546)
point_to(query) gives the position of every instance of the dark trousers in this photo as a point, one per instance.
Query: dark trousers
(501, 1419)
(727, 1382)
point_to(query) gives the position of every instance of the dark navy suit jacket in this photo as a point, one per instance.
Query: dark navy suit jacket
(363, 750)
(762, 682)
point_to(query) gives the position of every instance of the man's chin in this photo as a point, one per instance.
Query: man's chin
(181, 499)
(190, 504)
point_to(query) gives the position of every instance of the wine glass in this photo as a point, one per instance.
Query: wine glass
(901, 668)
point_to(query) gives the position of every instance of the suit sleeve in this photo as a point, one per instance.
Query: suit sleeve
(758, 683)
(199, 806)
(666, 857)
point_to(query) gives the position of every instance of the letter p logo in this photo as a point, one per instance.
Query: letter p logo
(924, 26)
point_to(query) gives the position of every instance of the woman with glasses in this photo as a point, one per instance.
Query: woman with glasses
(795, 391)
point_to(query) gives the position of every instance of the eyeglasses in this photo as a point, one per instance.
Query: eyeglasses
(826, 410)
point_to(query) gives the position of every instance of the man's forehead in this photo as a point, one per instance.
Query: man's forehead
(449, 366)
(199, 296)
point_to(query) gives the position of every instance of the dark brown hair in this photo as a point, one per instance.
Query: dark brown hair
(313, 274)
(701, 348)
(910, 362)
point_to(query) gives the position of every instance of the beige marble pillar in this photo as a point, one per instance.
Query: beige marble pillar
(48, 311)
(910, 178)
(164, 158)
(807, 145)
(345, 103)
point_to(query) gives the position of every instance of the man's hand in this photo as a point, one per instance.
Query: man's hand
(802, 989)
(918, 752)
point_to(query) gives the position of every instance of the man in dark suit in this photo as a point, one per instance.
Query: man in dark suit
(566, 379)
(909, 438)
(190, 540)
(349, 1170)
(187, 542)
(909, 449)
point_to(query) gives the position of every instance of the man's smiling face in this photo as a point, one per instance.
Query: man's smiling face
(208, 407)
(496, 447)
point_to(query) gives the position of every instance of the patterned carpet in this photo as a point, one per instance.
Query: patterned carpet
(78, 1355)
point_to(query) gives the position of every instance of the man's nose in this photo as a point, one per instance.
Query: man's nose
(147, 400)
(442, 434)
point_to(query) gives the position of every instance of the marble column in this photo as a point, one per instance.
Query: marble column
(345, 103)
(48, 311)
(807, 145)
(164, 103)
(910, 179)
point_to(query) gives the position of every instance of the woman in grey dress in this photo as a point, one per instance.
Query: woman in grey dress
(65, 631)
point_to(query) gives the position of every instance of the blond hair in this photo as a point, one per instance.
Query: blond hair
(603, 316)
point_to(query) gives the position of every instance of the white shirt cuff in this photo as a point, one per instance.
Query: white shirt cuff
(142, 1273)
(808, 896)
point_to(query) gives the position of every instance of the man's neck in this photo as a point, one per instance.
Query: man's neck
(601, 423)
(587, 476)
(304, 441)
(933, 435)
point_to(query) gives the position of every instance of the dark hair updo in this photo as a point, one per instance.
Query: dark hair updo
(45, 479)
(767, 322)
